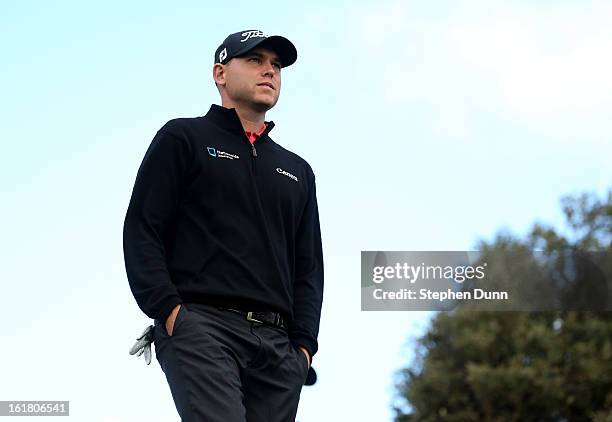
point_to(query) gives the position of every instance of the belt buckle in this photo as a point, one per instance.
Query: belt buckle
(249, 317)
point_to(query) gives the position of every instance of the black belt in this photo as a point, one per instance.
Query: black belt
(262, 317)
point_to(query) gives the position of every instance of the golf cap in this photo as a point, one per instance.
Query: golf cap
(241, 42)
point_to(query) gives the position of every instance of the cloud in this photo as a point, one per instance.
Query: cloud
(544, 68)
(540, 73)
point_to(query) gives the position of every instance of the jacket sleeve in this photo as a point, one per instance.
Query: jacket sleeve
(308, 284)
(153, 204)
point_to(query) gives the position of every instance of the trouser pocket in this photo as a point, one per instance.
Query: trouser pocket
(303, 361)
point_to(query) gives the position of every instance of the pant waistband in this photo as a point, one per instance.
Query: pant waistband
(274, 319)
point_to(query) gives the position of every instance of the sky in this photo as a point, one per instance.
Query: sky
(429, 125)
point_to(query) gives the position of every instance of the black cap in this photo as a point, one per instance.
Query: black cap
(240, 42)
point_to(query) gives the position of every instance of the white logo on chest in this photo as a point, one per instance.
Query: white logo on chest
(217, 153)
(286, 173)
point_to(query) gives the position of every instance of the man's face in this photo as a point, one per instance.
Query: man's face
(246, 79)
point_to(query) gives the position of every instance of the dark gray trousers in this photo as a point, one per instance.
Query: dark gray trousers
(222, 368)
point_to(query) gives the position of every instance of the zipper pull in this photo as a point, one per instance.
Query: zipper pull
(253, 150)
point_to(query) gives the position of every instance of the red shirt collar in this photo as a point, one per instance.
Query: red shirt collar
(254, 135)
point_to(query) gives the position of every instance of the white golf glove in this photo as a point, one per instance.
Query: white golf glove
(143, 344)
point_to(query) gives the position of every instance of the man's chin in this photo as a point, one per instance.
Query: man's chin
(263, 105)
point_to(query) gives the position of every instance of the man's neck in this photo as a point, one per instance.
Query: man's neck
(252, 120)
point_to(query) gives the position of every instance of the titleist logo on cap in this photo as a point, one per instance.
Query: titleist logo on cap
(252, 34)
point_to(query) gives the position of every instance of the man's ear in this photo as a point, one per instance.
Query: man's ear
(219, 74)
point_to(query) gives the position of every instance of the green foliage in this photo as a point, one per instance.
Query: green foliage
(520, 366)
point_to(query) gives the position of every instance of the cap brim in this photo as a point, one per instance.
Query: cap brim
(282, 46)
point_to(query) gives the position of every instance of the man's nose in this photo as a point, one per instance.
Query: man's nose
(269, 69)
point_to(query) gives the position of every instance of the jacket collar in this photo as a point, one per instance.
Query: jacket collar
(228, 119)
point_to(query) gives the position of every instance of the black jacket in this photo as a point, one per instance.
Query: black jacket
(214, 219)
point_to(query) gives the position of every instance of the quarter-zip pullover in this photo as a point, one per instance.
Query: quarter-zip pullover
(214, 218)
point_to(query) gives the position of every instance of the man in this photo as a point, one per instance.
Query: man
(222, 247)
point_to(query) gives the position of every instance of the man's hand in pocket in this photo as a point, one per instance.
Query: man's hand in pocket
(171, 318)
(306, 353)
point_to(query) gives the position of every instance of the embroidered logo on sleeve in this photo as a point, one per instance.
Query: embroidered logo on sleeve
(217, 153)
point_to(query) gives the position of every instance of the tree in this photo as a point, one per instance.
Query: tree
(525, 366)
